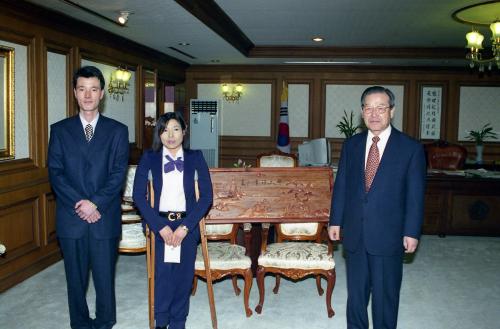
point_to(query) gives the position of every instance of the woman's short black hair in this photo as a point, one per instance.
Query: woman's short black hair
(161, 123)
(89, 72)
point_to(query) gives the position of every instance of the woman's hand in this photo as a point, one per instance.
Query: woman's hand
(167, 235)
(179, 235)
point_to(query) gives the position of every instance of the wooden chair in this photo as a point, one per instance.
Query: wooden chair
(304, 255)
(270, 261)
(276, 158)
(150, 263)
(133, 239)
(445, 156)
(226, 258)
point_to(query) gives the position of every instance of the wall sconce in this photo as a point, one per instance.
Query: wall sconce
(118, 84)
(232, 94)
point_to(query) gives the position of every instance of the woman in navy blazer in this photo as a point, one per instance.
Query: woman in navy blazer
(176, 214)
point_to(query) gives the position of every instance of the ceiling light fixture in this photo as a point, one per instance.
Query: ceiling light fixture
(232, 94)
(118, 83)
(123, 17)
(326, 62)
(318, 39)
(481, 14)
(475, 44)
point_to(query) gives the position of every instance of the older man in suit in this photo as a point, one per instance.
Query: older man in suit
(87, 160)
(378, 202)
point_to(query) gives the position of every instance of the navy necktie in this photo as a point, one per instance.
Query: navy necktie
(173, 164)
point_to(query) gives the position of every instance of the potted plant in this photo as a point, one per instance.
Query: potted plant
(346, 125)
(241, 164)
(478, 136)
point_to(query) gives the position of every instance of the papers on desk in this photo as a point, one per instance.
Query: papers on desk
(172, 254)
(480, 173)
(483, 173)
(447, 172)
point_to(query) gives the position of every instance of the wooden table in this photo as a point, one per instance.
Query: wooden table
(265, 195)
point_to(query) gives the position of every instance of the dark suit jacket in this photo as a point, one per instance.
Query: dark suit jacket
(393, 207)
(88, 170)
(151, 164)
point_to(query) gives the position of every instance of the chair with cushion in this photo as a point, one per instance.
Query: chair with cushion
(133, 239)
(298, 252)
(278, 258)
(226, 258)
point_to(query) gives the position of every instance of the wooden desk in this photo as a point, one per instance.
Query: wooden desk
(266, 195)
(462, 206)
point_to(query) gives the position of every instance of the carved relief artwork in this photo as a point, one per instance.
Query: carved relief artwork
(267, 193)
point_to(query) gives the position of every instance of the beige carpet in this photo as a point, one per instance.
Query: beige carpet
(452, 282)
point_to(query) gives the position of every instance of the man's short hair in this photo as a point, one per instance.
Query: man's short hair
(378, 90)
(88, 72)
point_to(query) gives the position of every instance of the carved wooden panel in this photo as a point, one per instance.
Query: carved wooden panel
(434, 204)
(271, 194)
(19, 229)
(475, 213)
(50, 219)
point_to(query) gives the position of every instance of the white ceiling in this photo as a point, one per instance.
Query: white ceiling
(377, 24)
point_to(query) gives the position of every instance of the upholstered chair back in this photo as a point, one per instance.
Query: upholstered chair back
(128, 185)
(445, 156)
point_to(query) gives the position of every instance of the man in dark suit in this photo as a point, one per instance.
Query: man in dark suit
(87, 160)
(377, 200)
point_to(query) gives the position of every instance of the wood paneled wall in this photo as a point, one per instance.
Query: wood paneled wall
(27, 204)
(317, 77)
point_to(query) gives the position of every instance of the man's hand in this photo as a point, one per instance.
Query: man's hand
(87, 211)
(410, 244)
(94, 217)
(167, 234)
(334, 233)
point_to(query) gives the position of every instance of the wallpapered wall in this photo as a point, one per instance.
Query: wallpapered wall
(478, 106)
(340, 98)
(56, 87)
(251, 115)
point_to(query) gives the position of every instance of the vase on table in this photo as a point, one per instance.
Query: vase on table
(479, 154)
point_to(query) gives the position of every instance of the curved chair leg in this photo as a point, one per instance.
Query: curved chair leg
(246, 293)
(330, 278)
(277, 285)
(237, 290)
(260, 283)
(195, 285)
(318, 285)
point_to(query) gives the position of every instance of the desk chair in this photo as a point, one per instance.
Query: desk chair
(445, 156)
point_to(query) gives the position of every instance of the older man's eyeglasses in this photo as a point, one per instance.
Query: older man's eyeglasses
(380, 109)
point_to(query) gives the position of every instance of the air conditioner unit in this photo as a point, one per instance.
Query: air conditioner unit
(204, 129)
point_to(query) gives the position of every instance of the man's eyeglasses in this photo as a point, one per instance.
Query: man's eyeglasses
(381, 109)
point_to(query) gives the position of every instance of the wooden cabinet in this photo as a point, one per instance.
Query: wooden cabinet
(462, 206)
